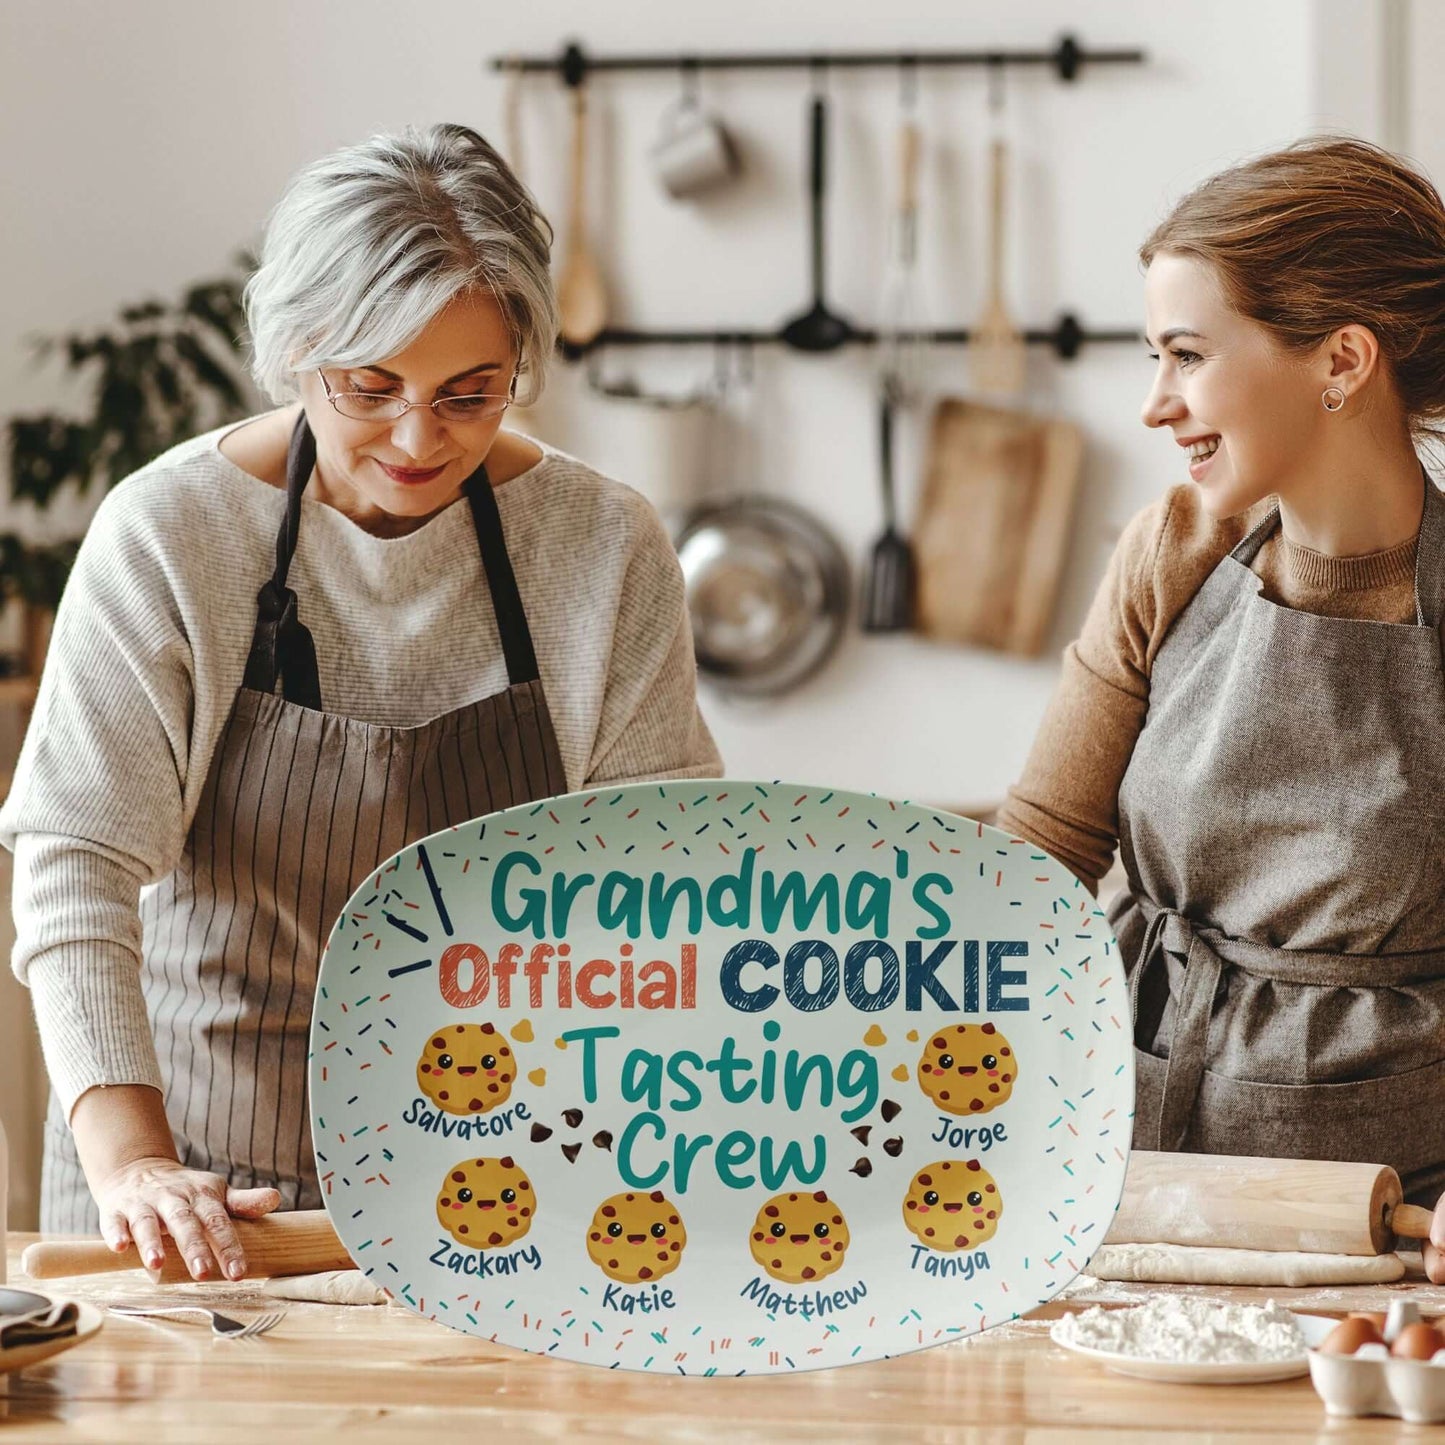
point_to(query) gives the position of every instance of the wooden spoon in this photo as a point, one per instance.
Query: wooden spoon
(581, 294)
(998, 351)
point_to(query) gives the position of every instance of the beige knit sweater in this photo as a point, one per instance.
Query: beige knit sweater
(1067, 799)
(150, 645)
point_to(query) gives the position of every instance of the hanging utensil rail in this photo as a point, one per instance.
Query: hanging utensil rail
(1066, 58)
(1067, 337)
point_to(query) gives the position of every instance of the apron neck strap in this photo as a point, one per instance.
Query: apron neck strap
(501, 580)
(1249, 546)
(1430, 558)
(1429, 553)
(281, 646)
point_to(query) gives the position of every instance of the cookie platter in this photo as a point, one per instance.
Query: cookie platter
(720, 1077)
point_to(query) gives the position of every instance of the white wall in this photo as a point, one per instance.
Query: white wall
(144, 143)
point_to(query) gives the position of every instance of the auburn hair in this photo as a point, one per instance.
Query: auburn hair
(1327, 232)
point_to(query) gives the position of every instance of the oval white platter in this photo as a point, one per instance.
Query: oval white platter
(654, 1077)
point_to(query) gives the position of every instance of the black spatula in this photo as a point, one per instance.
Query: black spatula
(889, 586)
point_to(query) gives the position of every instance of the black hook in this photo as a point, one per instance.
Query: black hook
(691, 79)
(908, 82)
(1068, 336)
(1068, 57)
(573, 66)
(996, 79)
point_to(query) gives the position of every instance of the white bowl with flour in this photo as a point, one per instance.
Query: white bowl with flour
(1188, 1340)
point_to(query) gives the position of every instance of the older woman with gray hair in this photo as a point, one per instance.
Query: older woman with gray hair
(293, 646)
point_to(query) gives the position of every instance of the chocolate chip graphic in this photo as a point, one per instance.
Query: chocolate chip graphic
(891, 1111)
(861, 1133)
(603, 1139)
(540, 1132)
(573, 1117)
(893, 1147)
(570, 1152)
(862, 1169)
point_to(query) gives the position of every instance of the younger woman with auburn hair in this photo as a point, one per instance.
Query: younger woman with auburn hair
(1255, 710)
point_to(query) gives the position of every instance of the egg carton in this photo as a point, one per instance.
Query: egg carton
(1380, 1384)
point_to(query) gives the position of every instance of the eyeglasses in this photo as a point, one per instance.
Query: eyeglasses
(378, 406)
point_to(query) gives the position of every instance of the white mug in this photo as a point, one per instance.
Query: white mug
(693, 152)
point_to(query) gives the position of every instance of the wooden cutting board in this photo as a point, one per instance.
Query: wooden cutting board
(994, 524)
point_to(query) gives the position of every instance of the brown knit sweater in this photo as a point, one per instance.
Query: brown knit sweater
(1067, 800)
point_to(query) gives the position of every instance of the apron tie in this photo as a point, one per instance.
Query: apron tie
(1169, 930)
(282, 647)
(1204, 951)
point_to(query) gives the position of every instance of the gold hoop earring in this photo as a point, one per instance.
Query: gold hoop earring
(1332, 398)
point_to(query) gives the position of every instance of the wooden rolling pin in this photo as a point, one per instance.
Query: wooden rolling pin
(1310, 1205)
(300, 1241)
(1314, 1206)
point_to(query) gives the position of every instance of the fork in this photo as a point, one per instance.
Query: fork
(222, 1325)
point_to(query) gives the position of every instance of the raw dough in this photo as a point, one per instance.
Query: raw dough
(336, 1287)
(1191, 1264)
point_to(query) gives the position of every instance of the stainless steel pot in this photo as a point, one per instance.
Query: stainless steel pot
(768, 590)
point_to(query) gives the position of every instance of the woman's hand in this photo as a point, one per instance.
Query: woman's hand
(146, 1198)
(125, 1146)
(1433, 1248)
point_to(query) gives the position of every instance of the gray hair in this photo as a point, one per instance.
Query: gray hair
(368, 245)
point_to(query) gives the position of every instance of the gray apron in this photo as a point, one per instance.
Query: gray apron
(1283, 927)
(299, 806)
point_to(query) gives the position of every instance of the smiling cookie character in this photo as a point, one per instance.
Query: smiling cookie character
(634, 1238)
(486, 1203)
(953, 1204)
(967, 1068)
(466, 1069)
(800, 1237)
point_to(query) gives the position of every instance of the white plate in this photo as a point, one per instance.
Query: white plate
(89, 1323)
(1225, 1372)
(411, 961)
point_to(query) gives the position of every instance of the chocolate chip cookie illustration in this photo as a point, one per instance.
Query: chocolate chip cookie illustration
(634, 1238)
(967, 1068)
(954, 1204)
(800, 1237)
(486, 1203)
(466, 1069)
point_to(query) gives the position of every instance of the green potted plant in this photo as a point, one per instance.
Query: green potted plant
(162, 372)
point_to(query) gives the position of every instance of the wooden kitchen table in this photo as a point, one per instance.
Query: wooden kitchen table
(382, 1373)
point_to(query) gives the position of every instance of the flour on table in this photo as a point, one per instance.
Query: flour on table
(1187, 1329)
(1194, 1264)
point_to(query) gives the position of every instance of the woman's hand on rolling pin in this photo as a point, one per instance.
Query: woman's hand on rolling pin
(1433, 1249)
(146, 1198)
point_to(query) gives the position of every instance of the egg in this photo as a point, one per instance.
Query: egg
(1417, 1342)
(1375, 1318)
(1350, 1334)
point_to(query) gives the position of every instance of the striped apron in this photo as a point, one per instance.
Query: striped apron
(299, 806)
(1282, 828)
